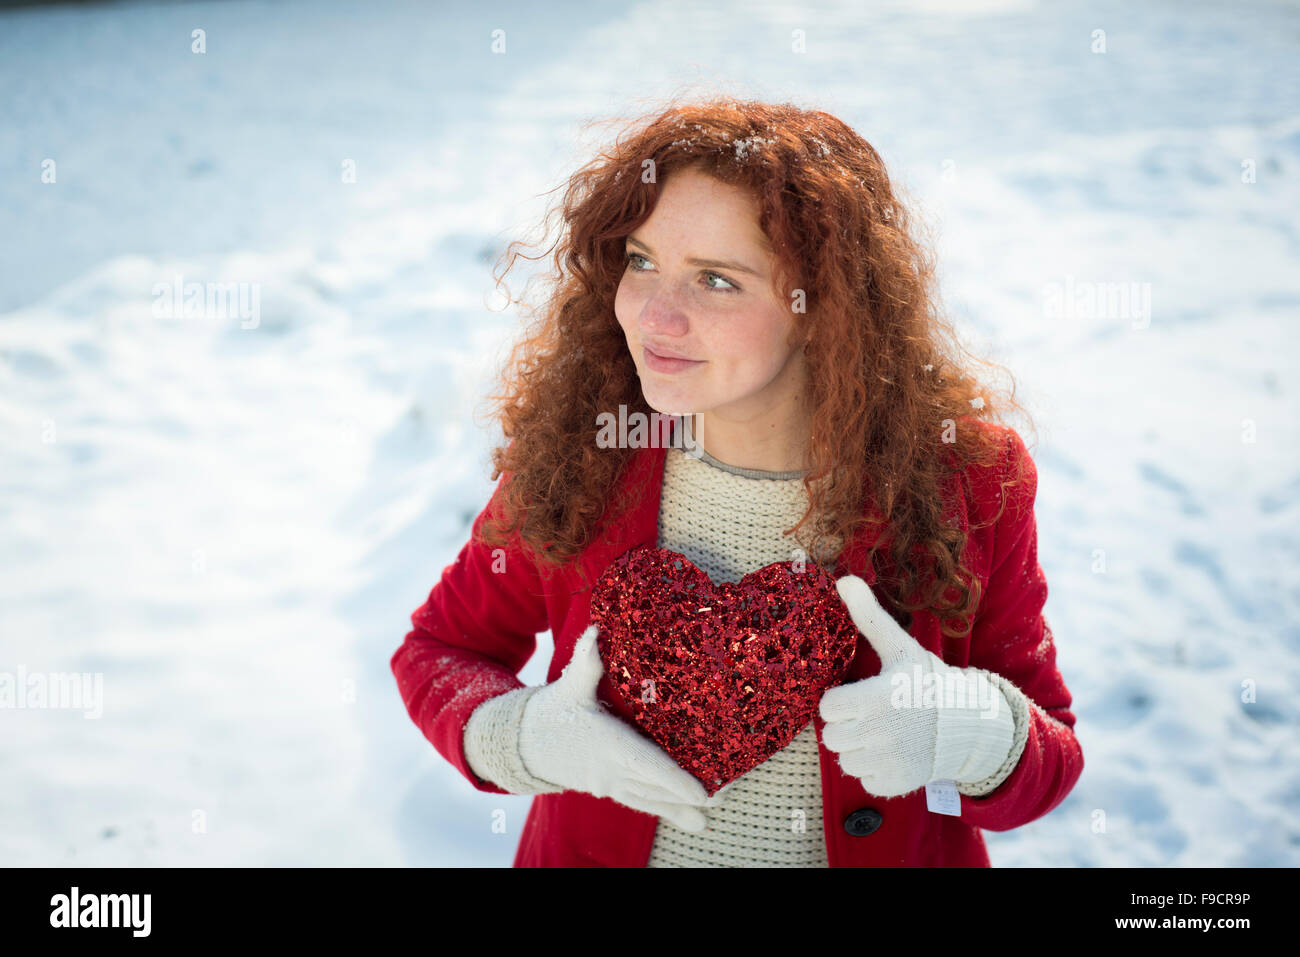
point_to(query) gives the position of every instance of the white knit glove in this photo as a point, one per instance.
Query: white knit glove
(568, 738)
(895, 742)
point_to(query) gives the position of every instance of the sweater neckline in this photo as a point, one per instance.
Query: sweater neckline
(709, 460)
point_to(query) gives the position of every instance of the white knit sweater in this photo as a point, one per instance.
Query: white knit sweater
(729, 522)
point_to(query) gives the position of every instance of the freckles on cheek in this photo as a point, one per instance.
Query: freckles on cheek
(623, 311)
(626, 325)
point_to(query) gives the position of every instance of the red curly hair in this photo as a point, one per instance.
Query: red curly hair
(897, 411)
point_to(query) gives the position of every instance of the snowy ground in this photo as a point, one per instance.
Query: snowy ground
(232, 525)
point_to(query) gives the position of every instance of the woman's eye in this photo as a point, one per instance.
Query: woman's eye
(631, 256)
(730, 287)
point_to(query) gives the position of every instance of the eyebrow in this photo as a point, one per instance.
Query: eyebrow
(711, 263)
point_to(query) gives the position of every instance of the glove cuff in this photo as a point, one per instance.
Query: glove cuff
(492, 744)
(1018, 710)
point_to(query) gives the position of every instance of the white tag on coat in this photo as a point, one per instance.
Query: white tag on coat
(941, 797)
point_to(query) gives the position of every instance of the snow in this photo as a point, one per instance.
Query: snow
(750, 147)
(231, 522)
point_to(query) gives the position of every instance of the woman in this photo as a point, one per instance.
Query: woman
(747, 269)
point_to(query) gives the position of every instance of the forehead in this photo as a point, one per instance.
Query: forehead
(693, 205)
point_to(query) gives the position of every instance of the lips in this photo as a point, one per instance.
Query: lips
(664, 365)
(668, 354)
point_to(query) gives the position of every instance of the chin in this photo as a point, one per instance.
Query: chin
(669, 401)
(672, 408)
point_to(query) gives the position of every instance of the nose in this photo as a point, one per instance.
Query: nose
(661, 316)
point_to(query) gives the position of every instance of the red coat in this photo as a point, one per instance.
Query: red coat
(478, 629)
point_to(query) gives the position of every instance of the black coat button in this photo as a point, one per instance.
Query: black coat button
(862, 821)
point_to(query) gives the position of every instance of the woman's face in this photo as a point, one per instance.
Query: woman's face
(706, 329)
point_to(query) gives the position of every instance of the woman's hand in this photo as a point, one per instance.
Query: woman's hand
(566, 738)
(918, 720)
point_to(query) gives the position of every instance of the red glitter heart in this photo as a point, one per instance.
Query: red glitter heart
(721, 676)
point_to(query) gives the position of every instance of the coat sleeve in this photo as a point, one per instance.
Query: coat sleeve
(1011, 639)
(469, 641)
